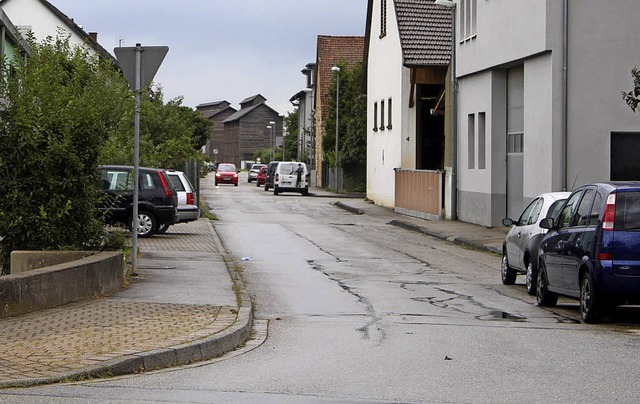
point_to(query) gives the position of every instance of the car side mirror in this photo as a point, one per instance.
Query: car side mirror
(547, 223)
(507, 222)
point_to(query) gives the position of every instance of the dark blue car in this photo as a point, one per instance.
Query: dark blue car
(592, 249)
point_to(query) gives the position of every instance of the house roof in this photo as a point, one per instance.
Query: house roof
(213, 113)
(76, 29)
(425, 32)
(246, 111)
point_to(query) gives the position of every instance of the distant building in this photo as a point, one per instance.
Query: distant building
(217, 112)
(304, 101)
(238, 134)
(330, 51)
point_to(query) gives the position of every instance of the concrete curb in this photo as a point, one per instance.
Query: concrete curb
(348, 208)
(194, 351)
(446, 237)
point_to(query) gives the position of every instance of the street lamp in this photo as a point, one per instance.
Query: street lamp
(272, 126)
(336, 70)
(451, 4)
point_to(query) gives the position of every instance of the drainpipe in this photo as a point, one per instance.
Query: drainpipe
(565, 57)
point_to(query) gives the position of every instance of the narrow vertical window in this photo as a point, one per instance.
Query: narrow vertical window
(382, 115)
(375, 116)
(482, 157)
(383, 18)
(471, 146)
(467, 19)
(389, 107)
(462, 32)
(474, 17)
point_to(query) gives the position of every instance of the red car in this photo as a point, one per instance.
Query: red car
(262, 176)
(227, 173)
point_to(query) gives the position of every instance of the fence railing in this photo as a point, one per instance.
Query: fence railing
(419, 193)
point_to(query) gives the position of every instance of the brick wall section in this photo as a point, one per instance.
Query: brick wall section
(330, 51)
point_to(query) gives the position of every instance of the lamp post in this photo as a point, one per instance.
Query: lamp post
(336, 70)
(451, 4)
(272, 126)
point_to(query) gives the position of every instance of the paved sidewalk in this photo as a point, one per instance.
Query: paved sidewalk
(180, 309)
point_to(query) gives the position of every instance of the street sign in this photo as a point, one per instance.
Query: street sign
(151, 58)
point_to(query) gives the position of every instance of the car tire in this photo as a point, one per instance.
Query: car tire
(507, 274)
(305, 191)
(216, 183)
(163, 228)
(266, 188)
(257, 184)
(590, 309)
(532, 278)
(147, 224)
(235, 185)
(544, 297)
(276, 191)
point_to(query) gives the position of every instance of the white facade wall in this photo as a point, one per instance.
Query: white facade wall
(387, 79)
(41, 20)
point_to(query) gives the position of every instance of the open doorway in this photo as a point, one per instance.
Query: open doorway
(429, 128)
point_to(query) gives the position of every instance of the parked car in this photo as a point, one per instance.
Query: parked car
(268, 184)
(253, 172)
(291, 176)
(226, 173)
(157, 198)
(262, 176)
(188, 209)
(520, 247)
(591, 249)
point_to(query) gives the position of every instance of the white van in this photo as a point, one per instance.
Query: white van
(291, 176)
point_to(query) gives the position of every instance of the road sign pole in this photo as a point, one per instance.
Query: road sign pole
(136, 161)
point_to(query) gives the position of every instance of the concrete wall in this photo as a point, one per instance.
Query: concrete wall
(56, 285)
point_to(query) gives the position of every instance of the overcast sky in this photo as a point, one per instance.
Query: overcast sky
(223, 49)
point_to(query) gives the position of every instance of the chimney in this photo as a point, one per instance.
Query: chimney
(93, 36)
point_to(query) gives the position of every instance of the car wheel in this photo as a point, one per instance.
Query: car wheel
(147, 224)
(508, 275)
(589, 306)
(216, 183)
(276, 191)
(163, 228)
(266, 188)
(257, 184)
(544, 297)
(532, 278)
(305, 192)
(235, 185)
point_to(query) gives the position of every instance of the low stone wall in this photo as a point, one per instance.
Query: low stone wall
(52, 286)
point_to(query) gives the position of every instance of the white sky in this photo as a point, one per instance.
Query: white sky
(223, 50)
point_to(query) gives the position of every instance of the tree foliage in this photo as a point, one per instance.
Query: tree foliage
(632, 97)
(59, 107)
(352, 147)
(292, 131)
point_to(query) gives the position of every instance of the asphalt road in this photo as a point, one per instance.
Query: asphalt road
(352, 309)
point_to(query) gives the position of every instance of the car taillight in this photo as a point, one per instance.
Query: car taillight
(609, 213)
(190, 200)
(165, 185)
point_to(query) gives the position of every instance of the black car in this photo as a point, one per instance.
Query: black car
(270, 175)
(157, 198)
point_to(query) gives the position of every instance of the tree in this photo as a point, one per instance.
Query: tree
(291, 140)
(352, 130)
(632, 97)
(59, 107)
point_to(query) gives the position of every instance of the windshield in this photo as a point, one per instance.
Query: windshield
(226, 167)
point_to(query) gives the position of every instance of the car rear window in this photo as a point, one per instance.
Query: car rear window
(176, 182)
(627, 211)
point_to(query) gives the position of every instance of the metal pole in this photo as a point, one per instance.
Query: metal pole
(136, 153)
(337, 128)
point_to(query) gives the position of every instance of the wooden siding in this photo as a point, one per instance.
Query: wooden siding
(419, 193)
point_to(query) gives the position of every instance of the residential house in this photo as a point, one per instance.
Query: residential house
(43, 19)
(303, 100)
(409, 158)
(330, 51)
(539, 102)
(12, 45)
(216, 112)
(245, 131)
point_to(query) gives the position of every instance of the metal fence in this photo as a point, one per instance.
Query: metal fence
(419, 193)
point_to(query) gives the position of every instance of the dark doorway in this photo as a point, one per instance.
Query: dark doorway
(429, 128)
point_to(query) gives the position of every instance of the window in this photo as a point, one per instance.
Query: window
(535, 214)
(624, 161)
(515, 110)
(481, 141)
(471, 147)
(468, 19)
(383, 18)
(564, 220)
(389, 114)
(382, 115)
(584, 209)
(375, 116)
(524, 217)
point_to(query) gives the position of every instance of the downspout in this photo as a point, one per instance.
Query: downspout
(454, 125)
(565, 57)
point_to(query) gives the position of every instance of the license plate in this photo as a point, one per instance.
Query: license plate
(286, 183)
